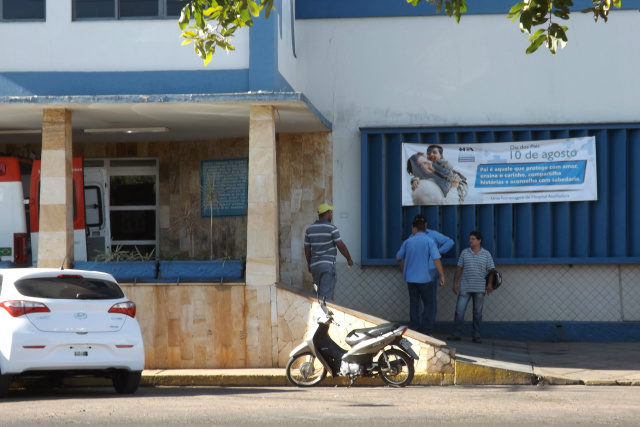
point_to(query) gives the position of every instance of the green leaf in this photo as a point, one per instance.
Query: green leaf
(560, 32)
(553, 44)
(516, 9)
(536, 34)
(245, 16)
(185, 16)
(525, 21)
(253, 7)
(211, 10)
(208, 57)
(456, 10)
(536, 44)
(268, 7)
(199, 18)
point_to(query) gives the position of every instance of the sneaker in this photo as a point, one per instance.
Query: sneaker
(477, 340)
(453, 338)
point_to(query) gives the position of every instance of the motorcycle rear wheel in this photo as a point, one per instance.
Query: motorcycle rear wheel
(402, 369)
(305, 370)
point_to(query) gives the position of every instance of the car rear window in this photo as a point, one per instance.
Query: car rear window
(68, 288)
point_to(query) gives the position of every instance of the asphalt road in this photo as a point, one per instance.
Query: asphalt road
(519, 406)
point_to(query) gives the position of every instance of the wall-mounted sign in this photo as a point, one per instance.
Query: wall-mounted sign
(561, 170)
(224, 187)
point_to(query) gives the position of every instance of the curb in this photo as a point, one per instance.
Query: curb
(465, 374)
(275, 380)
(474, 374)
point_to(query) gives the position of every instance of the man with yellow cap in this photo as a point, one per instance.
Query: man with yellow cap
(322, 242)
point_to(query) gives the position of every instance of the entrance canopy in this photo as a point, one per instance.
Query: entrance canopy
(132, 118)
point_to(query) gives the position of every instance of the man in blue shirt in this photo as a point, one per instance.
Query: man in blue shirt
(417, 254)
(443, 244)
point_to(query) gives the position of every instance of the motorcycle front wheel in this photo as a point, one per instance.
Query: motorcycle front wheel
(305, 370)
(399, 371)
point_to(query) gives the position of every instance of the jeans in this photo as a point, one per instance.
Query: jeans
(324, 275)
(436, 282)
(461, 307)
(421, 293)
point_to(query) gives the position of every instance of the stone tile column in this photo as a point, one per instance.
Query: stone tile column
(55, 242)
(262, 222)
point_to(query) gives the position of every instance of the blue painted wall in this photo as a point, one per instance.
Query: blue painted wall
(604, 231)
(323, 9)
(262, 75)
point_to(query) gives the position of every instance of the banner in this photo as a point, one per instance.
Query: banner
(562, 170)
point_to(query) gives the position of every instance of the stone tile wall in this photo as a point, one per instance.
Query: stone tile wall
(206, 325)
(295, 319)
(305, 180)
(179, 185)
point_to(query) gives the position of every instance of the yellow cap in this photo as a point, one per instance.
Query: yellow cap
(324, 208)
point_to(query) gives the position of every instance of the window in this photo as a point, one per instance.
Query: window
(22, 10)
(133, 204)
(126, 9)
(69, 288)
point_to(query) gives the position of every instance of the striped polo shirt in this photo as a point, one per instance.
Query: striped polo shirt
(474, 269)
(322, 236)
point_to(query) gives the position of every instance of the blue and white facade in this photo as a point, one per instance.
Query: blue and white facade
(376, 73)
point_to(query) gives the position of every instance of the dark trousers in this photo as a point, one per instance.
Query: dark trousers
(421, 293)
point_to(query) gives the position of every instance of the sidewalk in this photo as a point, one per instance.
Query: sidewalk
(499, 362)
(493, 362)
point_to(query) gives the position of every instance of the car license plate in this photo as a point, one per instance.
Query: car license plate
(80, 350)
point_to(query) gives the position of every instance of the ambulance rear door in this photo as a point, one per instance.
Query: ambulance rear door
(96, 202)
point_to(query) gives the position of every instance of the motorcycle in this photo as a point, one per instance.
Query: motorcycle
(310, 361)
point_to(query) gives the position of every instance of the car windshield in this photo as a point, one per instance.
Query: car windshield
(71, 287)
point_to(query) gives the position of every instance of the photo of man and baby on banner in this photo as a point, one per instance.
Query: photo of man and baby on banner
(562, 170)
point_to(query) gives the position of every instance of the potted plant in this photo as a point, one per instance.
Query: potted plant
(186, 220)
(124, 265)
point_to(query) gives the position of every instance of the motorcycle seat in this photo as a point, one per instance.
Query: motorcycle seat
(358, 335)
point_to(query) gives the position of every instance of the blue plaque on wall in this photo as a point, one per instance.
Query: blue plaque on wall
(224, 185)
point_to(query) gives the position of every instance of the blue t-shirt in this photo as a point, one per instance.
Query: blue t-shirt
(443, 243)
(418, 252)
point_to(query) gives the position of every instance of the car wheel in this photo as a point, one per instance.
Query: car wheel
(5, 382)
(126, 382)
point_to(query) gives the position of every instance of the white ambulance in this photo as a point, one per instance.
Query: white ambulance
(20, 211)
(15, 180)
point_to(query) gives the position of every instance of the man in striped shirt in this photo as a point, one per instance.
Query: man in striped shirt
(322, 242)
(473, 266)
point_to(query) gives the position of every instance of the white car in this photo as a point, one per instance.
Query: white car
(63, 323)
